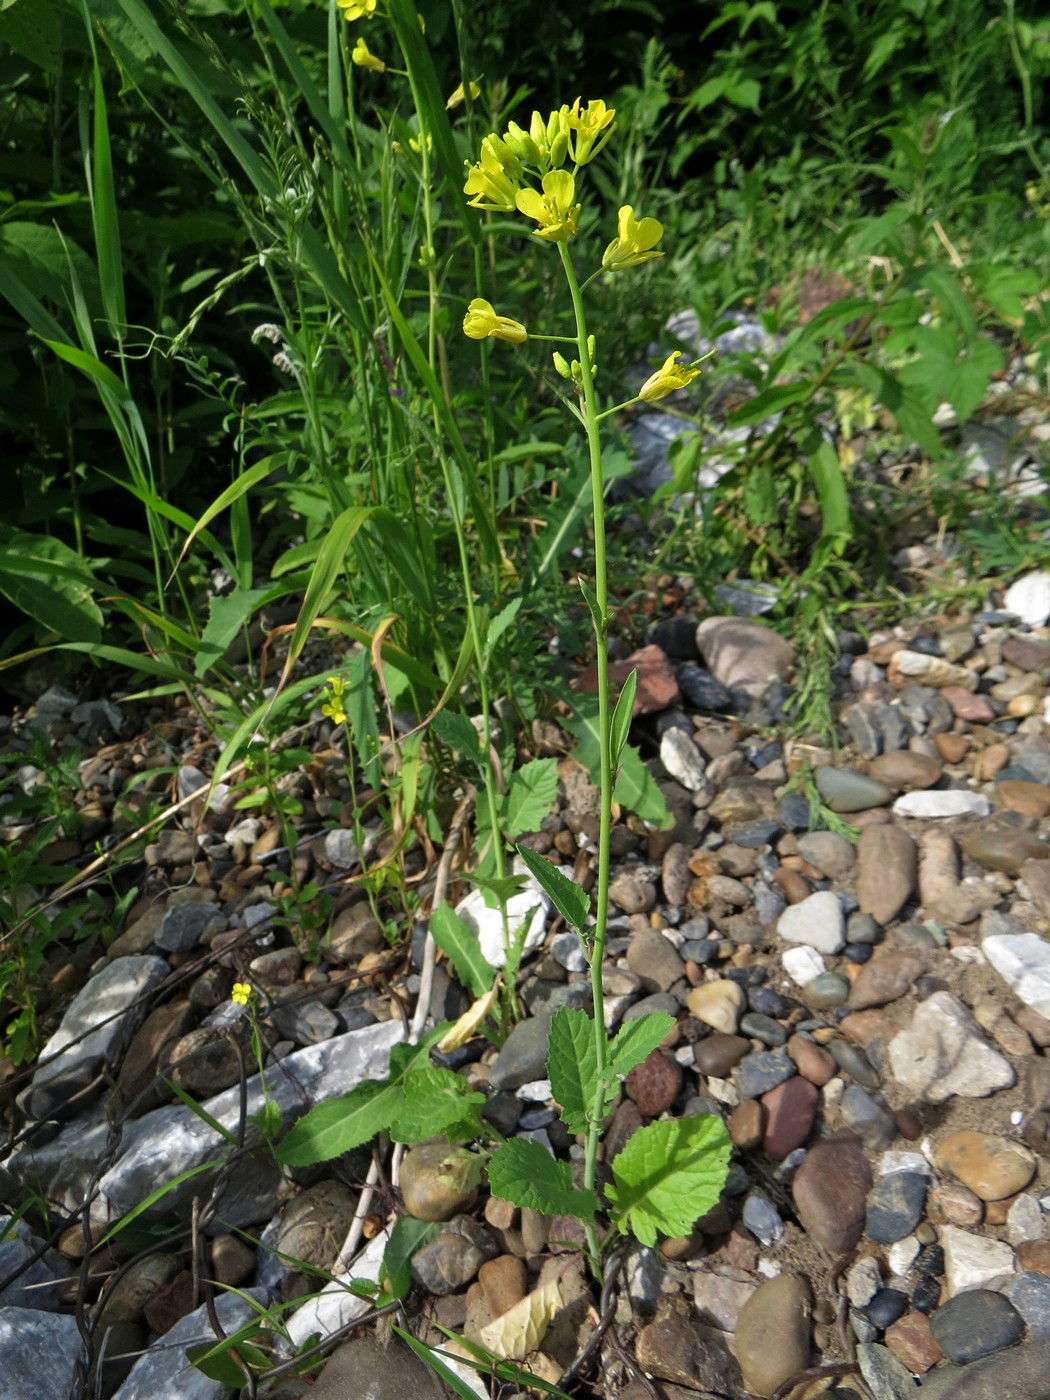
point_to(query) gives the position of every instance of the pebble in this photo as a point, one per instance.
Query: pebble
(682, 759)
(890, 974)
(1024, 1220)
(719, 1004)
(453, 1257)
(654, 1084)
(436, 1181)
(653, 958)
(992, 1167)
(772, 1333)
(742, 654)
(1029, 1292)
(1029, 598)
(950, 802)
(720, 1294)
(1004, 848)
(975, 1324)
(818, 922)
(524, 1054)
(771, 1033)
(830, 1190)
(971, 1261)
(717, 1054)
(895, 1206)
(761, 1071)
(1023, 962)
(872, 1123)
(829, 989)
(789, 1112)
(853, 1061)
(887, 871)
(761, 1217)
(847, 790)
(905, 769)
(883, 1374)
(813, 1062)
(829, 853)
(912, 1343)
(803, 964)
(1018, 1374)
(672, 1349)
(943, 1053)
(746, 1125)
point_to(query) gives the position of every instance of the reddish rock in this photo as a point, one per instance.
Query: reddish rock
(1035, 1255)
(890, 974)
(966, 705)
(830, 1191)
(812, 1061)
(741, 1249)
(174, 1302)
(789, 1109)
(657, 686)
(887, 871)
(912, 1342)
(861, 1027)
(1026, 653)
(951, 747)
(654, 1084)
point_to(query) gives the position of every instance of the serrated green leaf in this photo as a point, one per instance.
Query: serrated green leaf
(433, 1099)
(669, 1175)
(622, 716)
(572, 1065)
(456, 730)
(525, 1174)
(637, 1039)
(635, 787)
(407, 1236)
(339, 1124)
(571, 902)
(460, 945)
(533, 789)
(226, 617)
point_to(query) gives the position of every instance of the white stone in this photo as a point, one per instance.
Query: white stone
(891, 1162)
(943, 1052)
(973, 1262)
(682, 759)
(535, 1091)
(530, 903)
(1029, 598)
(902, 1255)
(1024, 1220)
(950, 803)
(719, 1293)
(335, 1305)
(863, 1281)
(817, 922)
(802, 964)
(1023, 961)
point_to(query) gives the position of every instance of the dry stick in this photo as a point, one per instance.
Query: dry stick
(426, 983)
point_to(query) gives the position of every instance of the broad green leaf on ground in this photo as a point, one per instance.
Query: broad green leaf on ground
(637, 1039)
(635, 786)
(460, 945)
(533, 789)
(525, 1174)
(433, 1098)
(668, 1176)
(406, 1237)
(570, 900)
(572, 1065)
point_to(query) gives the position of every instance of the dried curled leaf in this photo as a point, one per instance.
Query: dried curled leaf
(522, 1328)
(461, 1031)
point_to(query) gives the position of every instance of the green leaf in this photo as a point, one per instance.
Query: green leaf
(591, 599)
(434, 1098)
(214, 1361)
(637, 1039)
(339, 1124)
(226, 617)
(622, 716)
(772, 400)
(533, 789)
(635, 787)
(460, 945)
(571, 902)
(407, 1236)
(500, 623)
(525, 1174)
(456, 730)
(433, 1361)
(668, 1176)
(572, 1065)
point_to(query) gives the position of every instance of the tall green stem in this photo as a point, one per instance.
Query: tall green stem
(600, 617)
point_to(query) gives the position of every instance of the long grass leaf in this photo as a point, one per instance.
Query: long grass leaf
(103, 197)
(330, 561)
(233, 492)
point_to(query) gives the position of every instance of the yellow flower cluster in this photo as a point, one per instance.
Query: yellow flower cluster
(333, 700)
(241, 993)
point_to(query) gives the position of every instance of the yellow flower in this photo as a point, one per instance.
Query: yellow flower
(634, 242)
(333, 706)
(241, 993)
(669, 377)
(490, 182)
(481, 321)
(364, 59)
(357, 9)
(458, 97)
(587, 126)
(553, 210)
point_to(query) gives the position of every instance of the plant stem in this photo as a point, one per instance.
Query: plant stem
(600, 617)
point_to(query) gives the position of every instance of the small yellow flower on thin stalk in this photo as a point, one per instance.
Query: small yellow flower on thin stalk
(357, 9)
(333, 700)
(586, 139)
(459, 97)
(241, 994)
(635, 241)
(364, 58)
(492, 184)
(670, 377)
(481, 322)
(553, 210)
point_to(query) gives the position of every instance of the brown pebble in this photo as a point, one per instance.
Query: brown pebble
(503, 1282)
(1035, 1255)
(954, 1204)
(1029, 799)
(1037, 1133)
(812, 1061)
(991, 760)
(746, 1124)
(909, 1124)
(501, 1214)
(1038, 1027)
(911, 1341)
(792, 885)
(951, 747)
(654, 1084)
(717, 1054)
(789, 1109)
(992, 1167)
(830, 1191)
(741, 1249)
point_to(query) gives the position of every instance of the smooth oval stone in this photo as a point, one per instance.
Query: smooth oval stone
(700, 690)
(828, 852)
(829, 989)
(846, 790)
(1004, 848)
(895, 1206)
(831, 1191)
(789, 1113)
(772, 1333)
(905, 770)
(763, 1028)
(885, 978)
(793, 811)
(887, 871)
(886, 1307)
(852, 1060)
(717, 1054)
(992, 1167)
(718, 1004)
(755, 834)
(975, 1324)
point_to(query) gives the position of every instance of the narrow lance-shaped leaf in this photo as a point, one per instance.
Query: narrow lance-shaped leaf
(622, 716)
(571, 902)
(572, 1066)
(460, 944)
(637, 1039)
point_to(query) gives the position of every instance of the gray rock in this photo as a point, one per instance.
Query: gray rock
(1030, 1294)
(453, 1257)
(763, 1219)
(943, 1053)
(164, 1369)
(761, 1071)
(895, 1206)
(184, 925)
(305, 1022)
(653, 958)
(524, 1054)
(372, 1370)
(18, 1244)
(742, 654)
(38, 1351)
(96, 1027)
(846, 790)
(872, 1123)
(884, 1375)
(975, 1324)
(817, 921)
(1020, 1374)
(852, 1060)
(830, 853)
